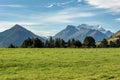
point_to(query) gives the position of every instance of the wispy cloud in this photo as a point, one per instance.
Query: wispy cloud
(67, 15)
(51, 5)
(68, 2)
(44, 33)
(62, 4)
(11, 23)
(79, 1)
(63, 17)
(12, 6)
(67, 18)
(118, 19)
(4, 25)
(113, 5)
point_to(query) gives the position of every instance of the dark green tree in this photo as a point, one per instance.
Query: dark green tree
(104, 43)
(89, 42)
(27, 43)
(72, 43)
(62, 43)
(51, 43)
(69, 43)
(117, 42)
(57, 42)
(37, 43)
(11, 46)
(112, 44)
(78, 44)
(46, 44)
(32, 43)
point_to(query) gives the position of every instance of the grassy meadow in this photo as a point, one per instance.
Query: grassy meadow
(60, 64)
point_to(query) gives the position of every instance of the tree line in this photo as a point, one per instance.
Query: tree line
(88, 42)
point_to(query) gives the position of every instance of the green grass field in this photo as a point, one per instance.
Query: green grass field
(59, 64)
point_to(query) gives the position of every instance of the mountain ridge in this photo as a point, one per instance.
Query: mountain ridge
(16, 35)
(81, 31)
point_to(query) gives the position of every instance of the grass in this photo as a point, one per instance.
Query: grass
(60, 64)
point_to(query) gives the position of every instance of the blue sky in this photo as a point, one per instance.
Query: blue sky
(47, 17)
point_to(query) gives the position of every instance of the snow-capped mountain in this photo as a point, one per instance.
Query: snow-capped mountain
(97, 27)
(83, 30)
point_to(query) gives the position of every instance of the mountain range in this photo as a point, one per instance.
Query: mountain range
(16, 35)
(83, 30)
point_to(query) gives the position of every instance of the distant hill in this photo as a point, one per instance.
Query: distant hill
(117, 34)
(16, 35)
(83, 30)
(114, 37)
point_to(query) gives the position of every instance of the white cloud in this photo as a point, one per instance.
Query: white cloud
(118, 19)
(12, 6)
(15, 22)
(67, 15)
(4, 25)
(63, 17)
(79, 1)
(67, 18)
(68, 2)
(113, 5)
(61, 4)
(7, 24)
(50, 6)
(44, 33)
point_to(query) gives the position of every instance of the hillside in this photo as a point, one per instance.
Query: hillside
(114, 37)
(16, 35)
(117, 34)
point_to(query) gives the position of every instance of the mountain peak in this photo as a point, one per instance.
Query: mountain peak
(84, 26)
(99, 27)
(16, 35)
(81, 31)
(71, 27)
(17, 26)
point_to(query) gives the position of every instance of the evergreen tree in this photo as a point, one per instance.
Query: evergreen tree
(57, 42)
(69, 43)
(32, 43)
(72, 43)
(46, 44)
(27, 43)
(62, 43)
(37, 43)
(51, 43)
